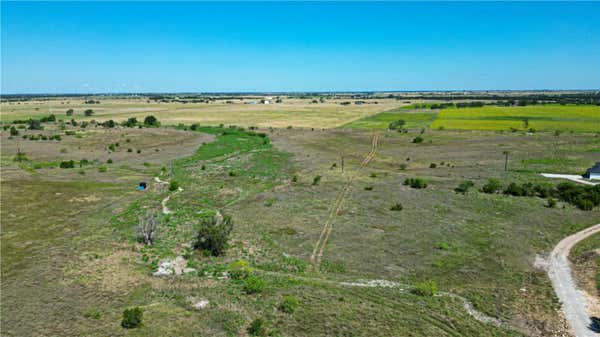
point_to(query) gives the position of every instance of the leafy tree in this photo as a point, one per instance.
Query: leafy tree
(131, 122)
(67, 164)
(70, 112)
(151, 121)
(173, 185)
(88, 112)
(14, 131)
(34, 124)
(213, 234)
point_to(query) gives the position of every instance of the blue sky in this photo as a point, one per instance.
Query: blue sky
(55, 47)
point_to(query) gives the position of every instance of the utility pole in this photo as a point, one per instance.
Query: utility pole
(505, 153)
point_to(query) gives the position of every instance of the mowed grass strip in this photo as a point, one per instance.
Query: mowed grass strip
(583, 118)
(416, 119)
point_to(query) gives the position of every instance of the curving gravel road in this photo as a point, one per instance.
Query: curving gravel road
(573, 302)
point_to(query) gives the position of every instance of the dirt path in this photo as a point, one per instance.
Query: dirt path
(576, 308)
(165, 209)
(336, 207)
(403, 288)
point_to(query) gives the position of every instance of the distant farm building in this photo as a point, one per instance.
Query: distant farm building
(267, 100)
(593, 172)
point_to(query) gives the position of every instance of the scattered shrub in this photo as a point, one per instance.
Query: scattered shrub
(88, 112)
(432, 165)
(425, 288)
(67, 164)
(368, 188)
(551, 203)
(14, 131)
(70, 112)
(294, 178)
(132, 318)
(418, 140)
(239, 270)
(289, 304)
(254, 284)
(464, 186)
(492, 186)
(402, 166)
(316, 180)
(396, 207)
(259, 327)
(415, 182)
(396, 125)
(173, 185)
(109, 161)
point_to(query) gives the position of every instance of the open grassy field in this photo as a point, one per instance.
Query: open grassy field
(413, 118)
(540, 117)
(72, 260)
(295, 112)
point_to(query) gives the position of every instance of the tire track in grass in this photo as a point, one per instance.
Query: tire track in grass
(336, 207)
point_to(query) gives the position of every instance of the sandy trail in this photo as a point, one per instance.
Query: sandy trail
(576, 307)
(165, 209)
(336, 207)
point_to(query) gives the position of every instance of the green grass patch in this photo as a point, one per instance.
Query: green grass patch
(382, 120)
(581, 118)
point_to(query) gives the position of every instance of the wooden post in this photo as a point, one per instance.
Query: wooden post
(342, 164)
(505, 160)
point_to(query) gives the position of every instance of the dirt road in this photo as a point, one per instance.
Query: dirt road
(575, 305)
(336, 207)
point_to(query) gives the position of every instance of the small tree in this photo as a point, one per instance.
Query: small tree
(213, 234)
(70, 112)
(132, 318)
(418, 140)
(173, 185)
(396, 125)
(151, 121)
(88, 112)
(316, 180)
(14, 131)
(34, 124)
(147, 227)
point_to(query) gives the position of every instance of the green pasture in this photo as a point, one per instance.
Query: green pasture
(417, 119)
(581, 118)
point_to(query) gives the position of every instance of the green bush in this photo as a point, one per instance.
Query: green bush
(289, 304)
(464, 187)
(67, 164)
(14, 131)
(259, 327)
(151, 121)
(425, 288)
(396, 125)
(396, 207)
(88, 112)
(132, 318)
(316, 180)
(213, 235)
(70, 112)
(432, 165)
(418, 140)
(415, 183)
(239, 270)
(492, 186)
(173, 185)
(551, 203)
(254, 284)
